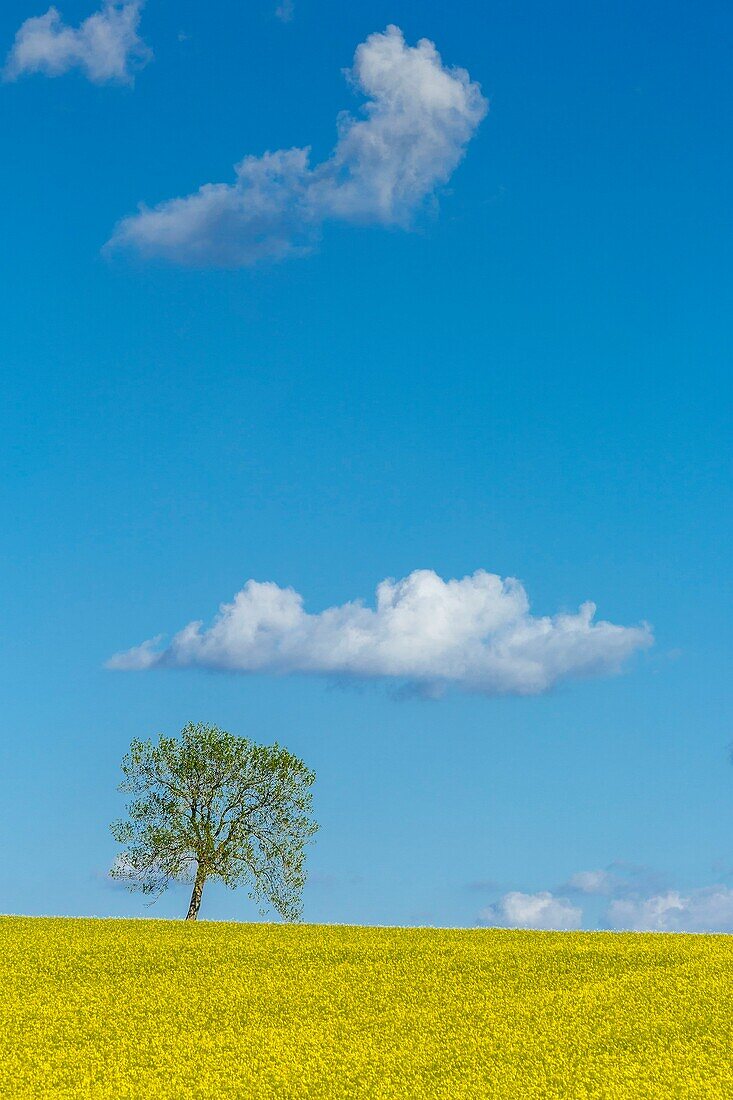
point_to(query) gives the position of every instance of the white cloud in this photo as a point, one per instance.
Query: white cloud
(618, 880)
(540, 911)
(106, 46)
(592, 882)
(415, 125)
(285, 11)
(476, 633)
(706, 910)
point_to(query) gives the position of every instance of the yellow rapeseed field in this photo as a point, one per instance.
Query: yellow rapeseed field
(161, 1009)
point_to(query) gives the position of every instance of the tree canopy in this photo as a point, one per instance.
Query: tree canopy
(210, 805)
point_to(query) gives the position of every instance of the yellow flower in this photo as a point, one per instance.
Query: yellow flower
(162, 1010)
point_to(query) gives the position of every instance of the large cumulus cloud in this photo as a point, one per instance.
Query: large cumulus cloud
(476, 633)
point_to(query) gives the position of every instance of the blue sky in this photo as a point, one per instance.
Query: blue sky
(527, 372)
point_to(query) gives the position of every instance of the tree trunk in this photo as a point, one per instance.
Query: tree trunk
(198, 889)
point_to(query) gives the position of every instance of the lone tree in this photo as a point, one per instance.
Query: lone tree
(209, 805)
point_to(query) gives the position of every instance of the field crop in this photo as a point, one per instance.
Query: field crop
(162, 1010)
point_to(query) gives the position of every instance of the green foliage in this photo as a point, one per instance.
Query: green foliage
(209, 805)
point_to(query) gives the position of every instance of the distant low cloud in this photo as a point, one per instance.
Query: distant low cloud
(542, 911)
(386, 165)
(631, 905)
(106, 46)
(638, 901)
(592, 882)
(476, 633)
(619, 879)
(709, 909)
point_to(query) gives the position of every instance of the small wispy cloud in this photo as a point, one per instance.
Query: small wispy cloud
(591, 882)
(482, 885)
(385, 167)
(105, 47)
(541, 911)
(285, 11)
(619, 879)
(476, 633)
